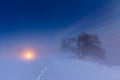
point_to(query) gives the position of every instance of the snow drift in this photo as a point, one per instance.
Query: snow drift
(71, 69)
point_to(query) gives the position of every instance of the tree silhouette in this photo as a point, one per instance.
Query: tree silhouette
(84, 45)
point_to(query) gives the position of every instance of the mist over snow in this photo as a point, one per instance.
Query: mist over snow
(41, 25)
(106, 25)
(74, 69)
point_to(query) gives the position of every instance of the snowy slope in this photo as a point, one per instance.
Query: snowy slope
(71, 69)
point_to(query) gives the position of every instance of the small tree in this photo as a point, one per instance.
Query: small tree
(84, 45)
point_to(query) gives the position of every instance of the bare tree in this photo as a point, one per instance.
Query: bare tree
(84, 45)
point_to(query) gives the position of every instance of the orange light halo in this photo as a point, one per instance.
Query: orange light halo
(28, 55)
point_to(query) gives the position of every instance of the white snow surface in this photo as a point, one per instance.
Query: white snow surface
(73, 69)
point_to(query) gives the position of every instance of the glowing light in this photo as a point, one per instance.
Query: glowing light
(28, 55)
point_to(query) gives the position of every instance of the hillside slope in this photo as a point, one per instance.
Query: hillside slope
(71, 69)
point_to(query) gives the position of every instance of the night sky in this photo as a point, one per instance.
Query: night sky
(40, 24)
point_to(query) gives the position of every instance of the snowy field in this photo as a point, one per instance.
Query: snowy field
(61, 68)
(72, 69)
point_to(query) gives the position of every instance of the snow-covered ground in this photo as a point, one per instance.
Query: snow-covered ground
(73, 69)
(60, 67)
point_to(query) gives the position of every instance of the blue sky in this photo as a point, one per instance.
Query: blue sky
(31, 22)
(44, 15)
